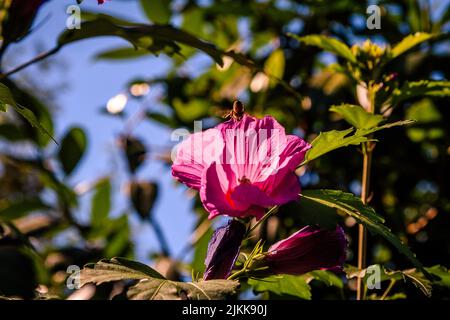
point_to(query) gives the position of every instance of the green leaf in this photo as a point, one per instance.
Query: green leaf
(154, 38)
(192, 110)
(162, 119)
(334, 139)
(18, 208)
(412, 89)
(152, 285)
(274, 66)
(116, 269)
(6, 99)
(442, 274)
(327, 277)
(357, 116)
(410, 275)
(101, 202)
(72, 149)
(329, 44)
(282, 285)
(121, 53)
(157, 289)
(352, 206)
(158, 11)
(410, 42)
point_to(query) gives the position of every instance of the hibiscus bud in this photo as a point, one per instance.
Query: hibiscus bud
(20, 17)
(143, 195)
(308, 249)
(223, 250)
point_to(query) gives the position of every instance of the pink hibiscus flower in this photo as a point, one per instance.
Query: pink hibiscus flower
(241, 167)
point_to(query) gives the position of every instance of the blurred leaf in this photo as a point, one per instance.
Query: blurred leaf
(7, 99)
(428, 120)
(143, 195)
(351, 205)
(332, 140)
(163, 119)
(329, 44)
(274, 66)
(118, 239)
(410, 42)
(121, 53)
(152, 285)
(116, 269)
(158, 11)
(72, 149)
(17, 273)
(135, 152)
(412, 89)
(193, 110)
(11, 132)
(357, 116)
(442, 273)
(281, 285)
(17, 209)
(101, 202)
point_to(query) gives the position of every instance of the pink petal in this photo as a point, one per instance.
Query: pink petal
(195, 154)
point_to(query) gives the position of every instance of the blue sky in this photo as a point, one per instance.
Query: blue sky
(89, 85)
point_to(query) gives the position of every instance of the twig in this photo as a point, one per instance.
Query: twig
(38, 58)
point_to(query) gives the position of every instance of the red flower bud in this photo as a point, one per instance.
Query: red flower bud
(308, 249)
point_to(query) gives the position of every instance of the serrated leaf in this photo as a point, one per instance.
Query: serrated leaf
(357, 116)
(334, 139)
(351, 205)
(159, 289)
(152, 285)
(158, 11)
(72, 149)
(116, 269)
(410, 42)
(329, 44)
(281, 285)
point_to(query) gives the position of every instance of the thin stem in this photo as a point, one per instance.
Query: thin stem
(367, 149)
(38, 58)
(237, 274)
(388, 289)
(264, 218)
(161, 238)
(362, 235)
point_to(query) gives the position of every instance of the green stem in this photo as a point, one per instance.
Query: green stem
(264, 218)
(365, 184)
(388, 289)
(237, 274)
